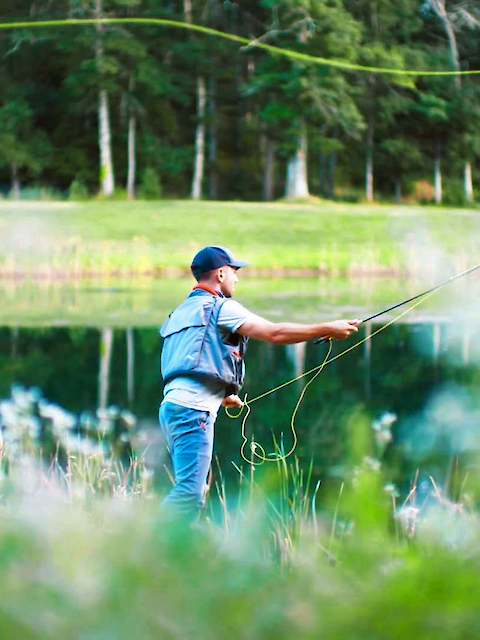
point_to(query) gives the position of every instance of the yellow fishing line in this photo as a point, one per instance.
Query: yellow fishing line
(274, 457)
(317, 370)
(305, 57)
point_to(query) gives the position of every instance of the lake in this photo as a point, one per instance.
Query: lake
(95, 343)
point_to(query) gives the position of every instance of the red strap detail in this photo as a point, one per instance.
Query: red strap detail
(205, 287)
(237, 354)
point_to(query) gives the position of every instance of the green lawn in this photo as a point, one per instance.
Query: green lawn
(144, 237)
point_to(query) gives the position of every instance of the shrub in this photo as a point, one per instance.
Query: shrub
(422, 191)
(150, 188)
(454, 193)
(349, 194)
(78, 190)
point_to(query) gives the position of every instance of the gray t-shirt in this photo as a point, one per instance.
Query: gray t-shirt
(207, 395)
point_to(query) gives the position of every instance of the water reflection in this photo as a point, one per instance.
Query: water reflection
(147, 301)
(425, 373)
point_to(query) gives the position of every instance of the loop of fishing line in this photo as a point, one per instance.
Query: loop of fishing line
(317, 370)
(274, 457)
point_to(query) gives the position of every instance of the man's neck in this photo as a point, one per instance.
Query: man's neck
(210, 288)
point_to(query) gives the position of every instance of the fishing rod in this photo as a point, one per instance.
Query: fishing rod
(319, 368)
(419, 295)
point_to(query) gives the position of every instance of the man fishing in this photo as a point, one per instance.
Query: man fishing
(202, 365)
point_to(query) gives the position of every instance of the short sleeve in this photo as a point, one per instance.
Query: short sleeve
(232, 315)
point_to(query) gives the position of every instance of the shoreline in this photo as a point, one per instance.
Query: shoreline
(174, 273)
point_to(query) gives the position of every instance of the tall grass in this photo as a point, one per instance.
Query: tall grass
(86, 551)
(76, 562)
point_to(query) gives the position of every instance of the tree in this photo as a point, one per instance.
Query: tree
(21, 146)
(461, 14)
(25, 148)
(388, 40)
(95, 67)
(206, 62)
(297, 96)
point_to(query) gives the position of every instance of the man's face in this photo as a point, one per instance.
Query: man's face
(228, 279)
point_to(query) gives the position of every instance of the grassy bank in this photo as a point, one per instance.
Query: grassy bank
(124, 239)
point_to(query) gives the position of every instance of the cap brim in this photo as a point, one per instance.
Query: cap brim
(238, 264)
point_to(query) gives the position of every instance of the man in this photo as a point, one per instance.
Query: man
(202, 365)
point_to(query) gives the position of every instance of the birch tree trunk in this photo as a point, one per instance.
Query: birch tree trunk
(132, 127)
(132, 122)
(369, 165)
(187, 11)
(199, 140)
(439, 8)
(300, 352)
(297, 183)
(367, 359)
(14, 342)
(398, 190)
(437, 178)
(106, 342)
(332, 165)
(468, 185)
(212, 150)
(199, 160)
(107, 181)
(130, 367)
(268, 170)
(15, 181)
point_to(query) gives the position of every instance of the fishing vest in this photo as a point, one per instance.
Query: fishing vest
(193, 345)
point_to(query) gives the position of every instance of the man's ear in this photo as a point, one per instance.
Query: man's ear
(221, 274)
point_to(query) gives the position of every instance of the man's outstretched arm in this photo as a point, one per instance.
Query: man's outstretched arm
(291, 332)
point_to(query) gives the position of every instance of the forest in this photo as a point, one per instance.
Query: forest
(124, 110)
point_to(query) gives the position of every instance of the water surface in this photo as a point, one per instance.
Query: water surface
(95, 343)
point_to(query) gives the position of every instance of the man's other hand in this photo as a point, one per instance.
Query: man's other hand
(232, 401)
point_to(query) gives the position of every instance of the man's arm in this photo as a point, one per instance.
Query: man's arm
(291, 332)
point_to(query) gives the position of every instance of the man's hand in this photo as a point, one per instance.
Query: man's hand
(232, 401)
(341, 329)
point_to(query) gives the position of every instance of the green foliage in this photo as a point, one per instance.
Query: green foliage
(119, 194)
(454, 193)
(150, 188)
(21, 144)
(252, 572)
(78, 190)
(37, 192)
(51, 81)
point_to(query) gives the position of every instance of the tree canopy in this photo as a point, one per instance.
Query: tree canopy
(151, 109)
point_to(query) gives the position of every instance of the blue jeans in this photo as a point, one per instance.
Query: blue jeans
(189, 435)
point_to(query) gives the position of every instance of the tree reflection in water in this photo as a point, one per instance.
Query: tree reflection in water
(426, 374)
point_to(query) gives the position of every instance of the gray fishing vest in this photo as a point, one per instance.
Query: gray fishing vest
(193, 345)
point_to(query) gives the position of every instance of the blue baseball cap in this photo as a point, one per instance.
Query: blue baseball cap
(214, 257)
